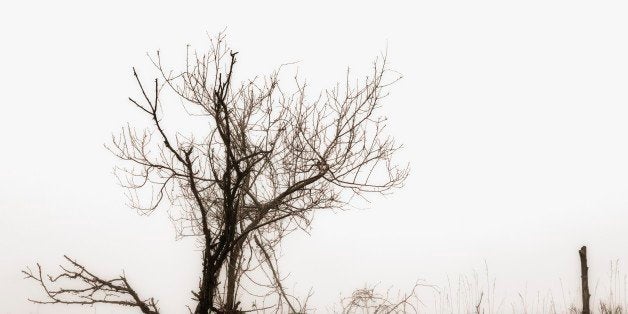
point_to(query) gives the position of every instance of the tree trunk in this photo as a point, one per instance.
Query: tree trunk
(584, 275)
(232, 274)
(207, 287)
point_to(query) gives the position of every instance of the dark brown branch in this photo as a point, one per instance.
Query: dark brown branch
(93, 289)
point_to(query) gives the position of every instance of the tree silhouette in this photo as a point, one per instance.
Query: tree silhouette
(258, 160)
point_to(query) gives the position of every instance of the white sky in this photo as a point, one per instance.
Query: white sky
(513, 117)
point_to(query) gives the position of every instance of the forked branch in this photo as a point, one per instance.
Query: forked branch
(76, 285)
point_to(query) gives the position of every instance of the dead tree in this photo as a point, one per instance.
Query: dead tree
(257, 161)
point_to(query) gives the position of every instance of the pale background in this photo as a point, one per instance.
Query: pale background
(513, 116)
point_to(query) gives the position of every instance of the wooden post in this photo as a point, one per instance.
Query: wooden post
(584, 275)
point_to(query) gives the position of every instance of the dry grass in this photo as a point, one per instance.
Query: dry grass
(478, 294)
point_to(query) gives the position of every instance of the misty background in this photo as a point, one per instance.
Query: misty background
(512, 115)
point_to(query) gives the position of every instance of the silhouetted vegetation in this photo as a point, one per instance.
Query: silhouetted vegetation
(262, 160)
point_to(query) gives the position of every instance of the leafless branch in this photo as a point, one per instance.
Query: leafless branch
(87, 288)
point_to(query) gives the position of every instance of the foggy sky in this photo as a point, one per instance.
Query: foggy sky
(512, 115)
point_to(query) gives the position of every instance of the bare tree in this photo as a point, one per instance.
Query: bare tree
(262, 158)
